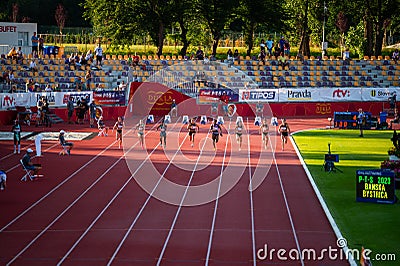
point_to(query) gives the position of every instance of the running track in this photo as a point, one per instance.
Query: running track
(89, 210)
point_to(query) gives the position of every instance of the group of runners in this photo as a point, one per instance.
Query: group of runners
(216, 132)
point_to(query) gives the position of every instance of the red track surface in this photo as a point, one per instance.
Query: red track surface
(89, 211)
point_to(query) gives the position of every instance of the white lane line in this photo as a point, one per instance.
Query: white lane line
(69, 206)
(216, 201)
(321, 200)
(287, 205)
(62, 183)
(143, 206)
(11, 154)
(109, 204)
(180, 204)
(253, 237)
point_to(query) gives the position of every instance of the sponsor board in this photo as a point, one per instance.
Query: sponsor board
(299, 95)
(379, 94)
(341, 94)
(259, 95)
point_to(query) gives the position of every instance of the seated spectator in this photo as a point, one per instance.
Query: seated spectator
(12, 54)
(88, 78)
(27, 162)
(89, 57)
(82, 60)
(135, 60)
(282, 61)
(396, 55)
(277, 50)
(11, 77)
(71, 60)
(30, 85)
(262, 46)
(236, 56)
(206, 60)
(78, 84)
(122, 86)
(13, 89)
(229, 55)
(48, 88)
(199, 54)
(66, 145)
(20, 54)
(33, 66)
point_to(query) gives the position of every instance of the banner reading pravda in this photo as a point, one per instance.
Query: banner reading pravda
(155, 183)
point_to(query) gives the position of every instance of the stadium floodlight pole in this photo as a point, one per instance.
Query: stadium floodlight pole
(323, 32)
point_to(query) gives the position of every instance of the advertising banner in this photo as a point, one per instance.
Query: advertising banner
(109, 97)
(342, 94)
(259, 95)
(299, 95)
(210, 95)
(378, 94)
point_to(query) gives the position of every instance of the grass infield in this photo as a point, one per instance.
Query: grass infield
(374, 226)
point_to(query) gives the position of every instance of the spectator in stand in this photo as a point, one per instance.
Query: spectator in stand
(236, 55)
(35, 44)
(135, 60)
(11, 77)
(88, 78)
(261, 56)
(48, 88)
(13, 89)
(82, 60)
(199, 54)
(396, 55)
(122, 86)
(77, 60)
(229, 55)
(286, 48)
(20, 55)
(277, 50)
(262, 46)
(282, 44)
(282, 61)
(30, 85)
(78, 84)
(12, 54)
(71, 60)
(270, 45)
(99, 54)
(33, 66)
(41, 45)
(346, 55)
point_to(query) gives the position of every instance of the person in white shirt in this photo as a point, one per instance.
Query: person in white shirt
(33, 66)
(48, 88)
(99, 54)
(122, 86)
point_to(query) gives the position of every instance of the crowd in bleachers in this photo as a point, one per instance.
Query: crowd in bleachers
(84, 72)
(66, 73)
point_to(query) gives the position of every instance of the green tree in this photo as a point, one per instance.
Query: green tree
(216, 13)
(268, 13)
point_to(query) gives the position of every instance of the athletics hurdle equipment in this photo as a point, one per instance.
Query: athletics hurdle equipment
(220, 120)
(185, 119)
(167, 119)
(257, 121)
(239, 119)
(203, 120)
(150, 119)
